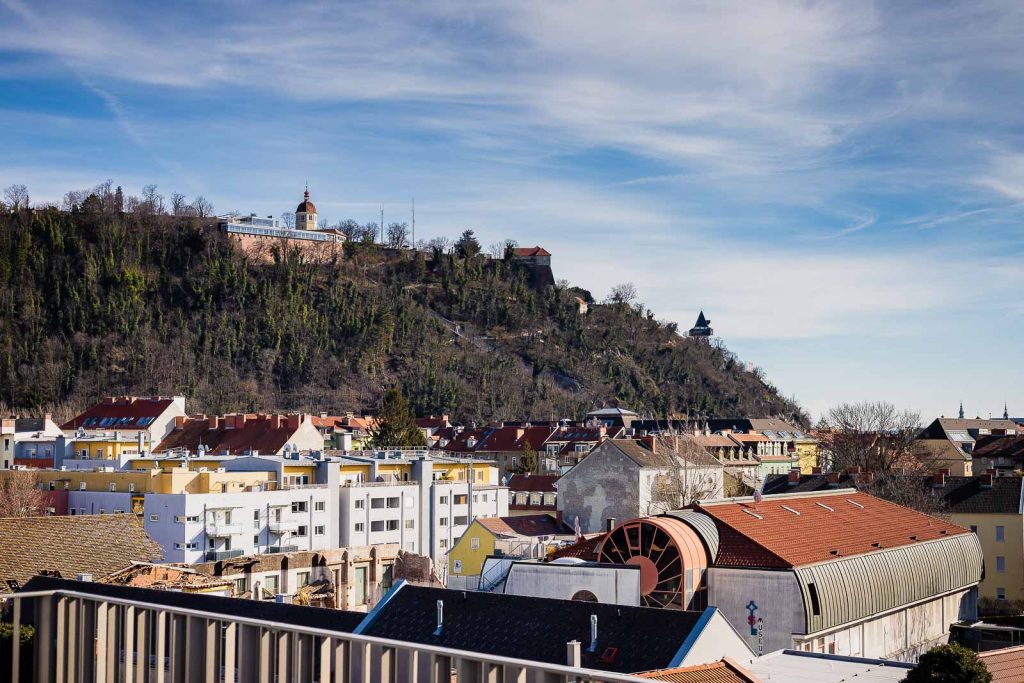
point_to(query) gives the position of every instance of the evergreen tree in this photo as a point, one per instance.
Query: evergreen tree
(949, 664)
(468, 246)
(528, 460)
(396, 426)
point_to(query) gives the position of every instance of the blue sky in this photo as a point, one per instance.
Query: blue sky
(840, 186)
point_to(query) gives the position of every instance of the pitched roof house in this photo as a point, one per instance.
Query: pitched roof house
(240, 434)
(153, 416)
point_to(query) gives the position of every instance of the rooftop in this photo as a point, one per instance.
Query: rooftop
(232, 434)
(525, 525)
(517, 626)
(121, 412)
(102, 545)
(533, 482)
(793, 530)
(725, 671)
(793, 666)
(1006, 665)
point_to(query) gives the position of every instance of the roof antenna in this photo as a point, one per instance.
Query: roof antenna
(414, 223)
(593, 633)
(440, 617)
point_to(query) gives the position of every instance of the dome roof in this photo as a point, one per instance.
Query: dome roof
(306, 206)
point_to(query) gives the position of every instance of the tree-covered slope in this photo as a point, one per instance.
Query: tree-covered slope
(95, 303)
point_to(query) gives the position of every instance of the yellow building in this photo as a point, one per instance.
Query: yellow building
(526, 536)
(991, 508)
(171, 480)
(808, 454)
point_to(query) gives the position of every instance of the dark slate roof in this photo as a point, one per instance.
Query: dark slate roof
(1000, 447)
(72, 545)
(663, 454)
(299, 615)
(533, 482)
(533, 628)
(779, 483)
(967, 495)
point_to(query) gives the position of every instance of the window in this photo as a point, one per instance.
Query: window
(549, 499)
(299, 506)
(103, 511)
(443, 543)
(460, 521)
(1000, 593)
(815, 605)
(113, 486)
(154, 518)
(81, 486)
(360, 596)
(1000, 533)
(444, 500)
(460, 499)
(1000, 563)
(319, 506)
(377, 525)
(270, 584)
(360, 527)
(393, 502)
(131, 487)
(359, 504)
(392, 525)
(192, 518)
(256, 539)
(443, 521)
(474, 543)
(179, 519)
(974, 528)
(376, 503)
(318, 530)
(301, 530)
(410, 524)
(513, 461)
(256, 515)
(301, 579)
(240, 586)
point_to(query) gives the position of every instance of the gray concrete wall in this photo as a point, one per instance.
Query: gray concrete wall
(605, 484)
(780, 606)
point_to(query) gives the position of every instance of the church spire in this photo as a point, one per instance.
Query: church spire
(961, 410)
(1006, 411)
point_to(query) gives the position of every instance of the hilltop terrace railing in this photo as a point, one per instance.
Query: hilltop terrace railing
(85, 636)
(287, 233)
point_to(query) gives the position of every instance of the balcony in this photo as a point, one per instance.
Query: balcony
(233, 648)
(282, 527)
(282, 549)
(222, 529)
(217, 555)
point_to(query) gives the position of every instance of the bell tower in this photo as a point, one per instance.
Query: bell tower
(305, 214)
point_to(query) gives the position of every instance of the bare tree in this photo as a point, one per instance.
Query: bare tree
(440, 246)
(20, 495)
(17, 197)
(398, 235)
(322, 224)
(202, 206)
(350, 229)
(151, 202)
(695, 475)
(288, 218)
(874, 436)
(624, 293)
(496, 250)
(179, 207)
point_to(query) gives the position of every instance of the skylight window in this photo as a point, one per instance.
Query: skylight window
(770, 434)
(789, 509)
(752, 513)
(784, 435)
(824, 506)
(854, 503)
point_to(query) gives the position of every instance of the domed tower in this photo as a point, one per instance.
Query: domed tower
(305, 214)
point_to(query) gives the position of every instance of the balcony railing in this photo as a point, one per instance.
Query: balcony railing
(83, 635)
(282, 526)
(222, 529)
(282, 549)
(217, 555)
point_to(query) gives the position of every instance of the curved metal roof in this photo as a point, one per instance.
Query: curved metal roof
(703, 525)
(851, 588)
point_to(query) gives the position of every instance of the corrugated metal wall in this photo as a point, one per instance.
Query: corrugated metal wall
(703, 524)
(852, 588)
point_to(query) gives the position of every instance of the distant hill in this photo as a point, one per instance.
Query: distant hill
(96, 302)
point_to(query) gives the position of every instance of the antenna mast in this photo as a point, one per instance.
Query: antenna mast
(382, 224)
(414, 223)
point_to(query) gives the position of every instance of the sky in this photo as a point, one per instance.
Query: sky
(838, 185)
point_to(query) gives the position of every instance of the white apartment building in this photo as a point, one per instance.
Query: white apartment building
(196, 527)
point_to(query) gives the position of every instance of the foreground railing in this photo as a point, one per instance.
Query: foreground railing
(81, 636)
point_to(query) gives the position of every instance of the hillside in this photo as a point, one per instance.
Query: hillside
(95, 303)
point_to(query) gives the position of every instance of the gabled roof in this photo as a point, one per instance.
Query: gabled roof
(122, 412)
(795, 530)
(663, 455)
(725, 671)
(524, 525)
(1010, 446)
(266, 434)
(935, 452)
(544, 483)
(712, 440)
(530, 251)
(533, 628)
(968, 495)
(79, 544)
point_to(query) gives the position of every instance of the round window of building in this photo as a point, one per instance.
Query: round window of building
(584, 596)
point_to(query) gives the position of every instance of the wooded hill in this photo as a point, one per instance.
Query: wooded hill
(96, 302)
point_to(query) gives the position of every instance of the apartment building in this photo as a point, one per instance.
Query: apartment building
(153, 416)
(31, 442)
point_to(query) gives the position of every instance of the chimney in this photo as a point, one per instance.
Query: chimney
(276, 421)
(939, 480)
(794, 476)
(214, 422)
(815, 470)
(944, 471)
(853, 470)
(986, 481)
(179, 421)
(572, 654)
(833, 477)
(440, 617)
(593, 633)
(649, 442)
(294, 421)
(110, 399)
(239, 420)
(609, 524)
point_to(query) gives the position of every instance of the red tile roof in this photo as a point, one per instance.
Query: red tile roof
(525, 525)
(725, 671)
(1005, 665)
(530, 251)
(130, 413)
(266, 434)
(584, 550)
(544, 483)
(767, 534)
